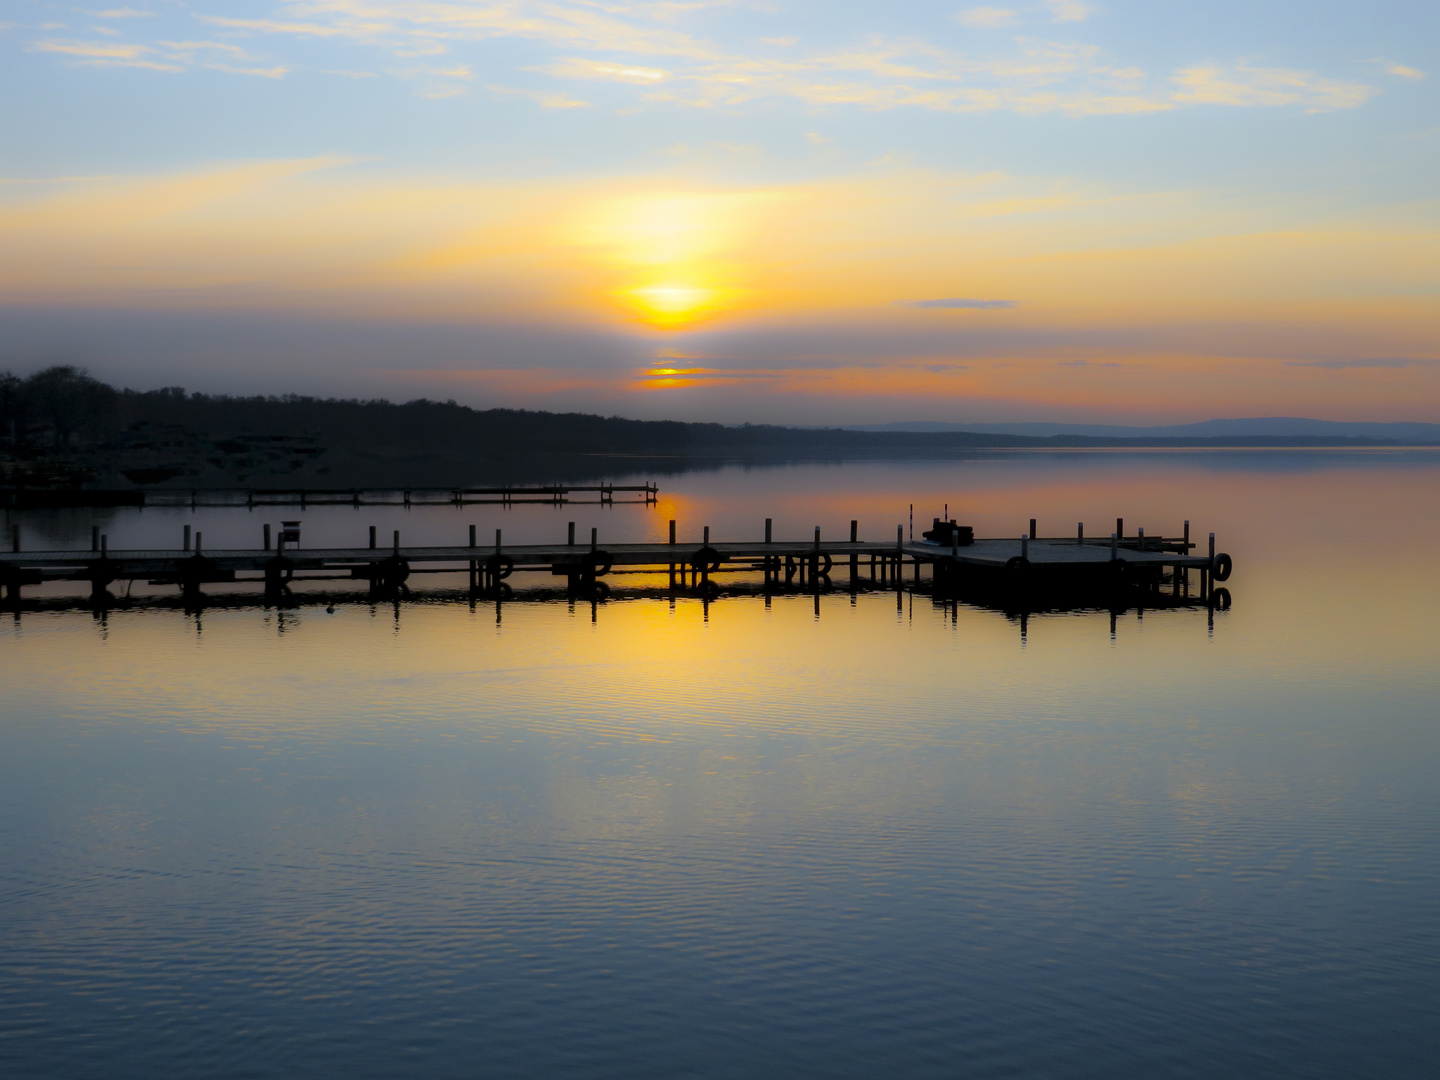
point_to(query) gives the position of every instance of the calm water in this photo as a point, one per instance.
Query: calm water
(748, 839)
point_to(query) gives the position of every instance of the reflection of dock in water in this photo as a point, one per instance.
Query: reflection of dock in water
(1027, 573)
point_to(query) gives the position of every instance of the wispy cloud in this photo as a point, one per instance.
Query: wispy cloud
(1391, 67)
(545, 99)
(1369, 362)
(647, 46)
(957, 302)
(107, 54)
(122, 13)
(988, 18)
(1245, 85)
(1069, 10)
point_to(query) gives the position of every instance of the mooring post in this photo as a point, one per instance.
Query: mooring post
(1187, 536)
(372, 535)
(15, 537)
(594, 539)
(1212, 547)
(817, 537)
(474, 566)
(1120, 528)
(396, 550)
(1114, 546)
(197, 544)
(1140, 539)
(854, 531)
(912, 526)
(472, 535)
(854, 558)
(672, 561)
(1032, 526)
(94, 537)
(186, 546)
(266, 531)
(570, 536)
(672, 530)
(497, 541)
(104, 544)
(767, 530)
(707, 535)
(1024, 545)
(1080, 533)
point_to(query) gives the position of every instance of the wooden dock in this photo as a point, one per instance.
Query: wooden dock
(1029, 566)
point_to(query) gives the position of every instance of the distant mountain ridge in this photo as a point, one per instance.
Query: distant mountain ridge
(1412, 433)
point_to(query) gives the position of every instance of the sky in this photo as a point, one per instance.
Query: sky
(792, 212)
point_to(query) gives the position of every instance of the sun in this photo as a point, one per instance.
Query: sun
(673, 258)
(670, 306)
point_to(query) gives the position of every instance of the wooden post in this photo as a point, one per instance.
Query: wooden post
(1140, 539)
(1114, 546)
(854, 531)
(267, 536)
(94, 537)
(672, 562)
(186, 545)
(1120, 528)
(594, 539)
(397, 542)
(497, 541)
(1187, 536)
(372, 534)
(104, 545)
(899, 540)
(197, 543)
(1032, 526)
(672, 530)
(1212, 547)
(472, 535)
(15, 538)
(1024, 545)
(570, 536)
(1080, 533)
(707, 535)
(817, 537)
(767, 530)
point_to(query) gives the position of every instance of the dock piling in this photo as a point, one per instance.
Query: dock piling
(1024, 545)
(594, 539)
(570, 537)
(1080, 533)
(266, 533)
(396, 551)
(15, 538)
(372, 536)
(1120, 528)
(94, 537)
(198, 536)
(1140, 539)
(1114, 546)
(1032, 527)
(186, 545)
(472, 535)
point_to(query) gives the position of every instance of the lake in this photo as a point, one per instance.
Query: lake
(836, 836)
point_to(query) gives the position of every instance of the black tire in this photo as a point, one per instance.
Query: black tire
(598, 563)
(705, 561)
(1221, 567)
(822, 563)
(1018, 564)
(498, 567)
(1221, 599)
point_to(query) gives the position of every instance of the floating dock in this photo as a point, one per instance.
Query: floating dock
(1036, 568)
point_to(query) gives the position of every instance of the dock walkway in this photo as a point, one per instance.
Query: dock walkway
(1022, 563)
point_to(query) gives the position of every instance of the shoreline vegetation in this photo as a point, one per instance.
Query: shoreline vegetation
(61, 429)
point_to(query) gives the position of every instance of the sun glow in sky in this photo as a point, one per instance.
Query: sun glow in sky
(801, 212)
